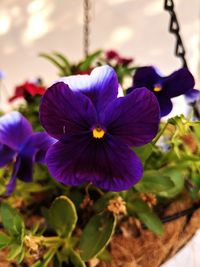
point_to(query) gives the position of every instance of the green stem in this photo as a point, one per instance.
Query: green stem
(101, 193)
(52, 239)
(155, 140)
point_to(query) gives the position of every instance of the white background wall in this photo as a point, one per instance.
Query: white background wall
(136, 28)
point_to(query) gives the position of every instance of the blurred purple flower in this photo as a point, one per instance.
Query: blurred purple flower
(178, 83)
(19, 143)
(95, 130)
(2, 75)
(192, 96)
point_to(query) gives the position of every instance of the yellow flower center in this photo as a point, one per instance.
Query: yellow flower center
(157, 88)
(98, 132)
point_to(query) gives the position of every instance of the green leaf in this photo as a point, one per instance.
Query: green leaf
(75, 259)
(177, 177)
(15, 250)
(195, 181)
(20, 257)
(155, 182)
(96, 235)
(104, 255)
(146, 215)
(144, 152)
(196, 129)
(85, 65)
(4, 240)
(54, 61)
(181, 122)
(12, 221)
(65, 62)
(62, 216)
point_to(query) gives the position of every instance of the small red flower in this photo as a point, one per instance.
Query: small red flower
(111, 54)
(27, 88)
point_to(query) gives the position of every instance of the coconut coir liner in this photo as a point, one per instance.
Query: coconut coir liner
(131, 248)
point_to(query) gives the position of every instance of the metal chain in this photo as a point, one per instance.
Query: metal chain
(188, 212)
(174, 28)
(86, 26)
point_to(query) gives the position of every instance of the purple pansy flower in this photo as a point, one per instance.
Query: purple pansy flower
(95, 130)
(178, 83)
(19, 143)
(192, 96)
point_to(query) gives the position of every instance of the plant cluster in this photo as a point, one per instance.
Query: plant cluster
(80, 157)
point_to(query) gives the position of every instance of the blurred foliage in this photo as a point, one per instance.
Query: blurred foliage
(123, 67)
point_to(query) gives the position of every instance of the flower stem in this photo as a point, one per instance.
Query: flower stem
(155, 140)
(46, 239)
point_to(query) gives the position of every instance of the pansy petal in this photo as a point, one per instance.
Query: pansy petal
(27, 157)
(178, 83)
(65, 160)
(146, 77)
(43, 142)
(25, 171)
(117, 167)
(77, 82)
(64, 112)
(12, 183)
(14, 129)
(101, 86)
(37, 146)
(192, 95)
(104, 86)
(107, 163)
(133, 118)
(33, 150)
(6, 155)
(165, 105)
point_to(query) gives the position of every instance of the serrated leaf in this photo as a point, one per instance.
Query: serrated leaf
(75, 259)
(12, 221)
(155, 182)
(62, 216)
(96, 235)
(146, 215)
(4, 240)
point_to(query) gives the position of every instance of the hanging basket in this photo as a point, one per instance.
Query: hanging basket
(134, 246)
(64, 214)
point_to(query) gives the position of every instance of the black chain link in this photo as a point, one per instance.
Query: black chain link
(86, 26)
(175, 29)
(187, 212)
